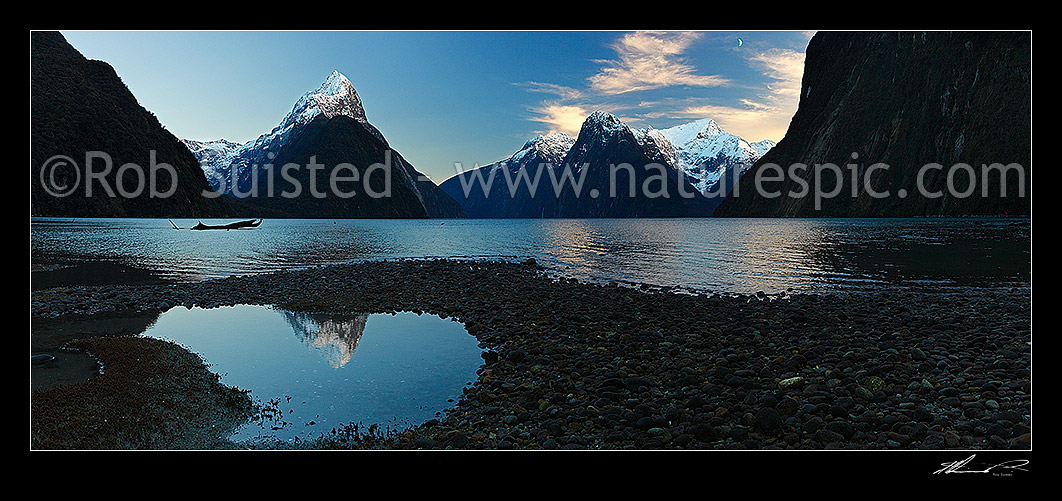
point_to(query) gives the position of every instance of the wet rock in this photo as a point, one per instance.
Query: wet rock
(704, 432)
(787, 406)
(825, 436)
(562, 373)
(661, 434)
(768, 420)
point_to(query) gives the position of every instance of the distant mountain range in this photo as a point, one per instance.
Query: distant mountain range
(514, 187)
(707, 153)
(682, 171)
(903, 99)
(327, 127)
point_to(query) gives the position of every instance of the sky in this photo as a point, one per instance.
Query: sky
(453, 100)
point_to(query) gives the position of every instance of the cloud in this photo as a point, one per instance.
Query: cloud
(653, 60)
(767, 114)
(644, 61)
(561, 117)
(561, 91)
(786, 68)
(650, 60)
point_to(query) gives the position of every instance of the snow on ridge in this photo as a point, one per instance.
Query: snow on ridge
(687, 132)
(336, 96)
(549, 147)
(657, 144)
(762, 147)
(336, 84)
(703, 140)
(215, 156)
(606, 122)
(705, 151)
(554, 146)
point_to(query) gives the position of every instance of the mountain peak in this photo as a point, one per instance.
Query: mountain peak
(763, 147)
(687, 132)
(551, 147)
(336, 96)
(705, 151)
(603, 120)
(336, 84)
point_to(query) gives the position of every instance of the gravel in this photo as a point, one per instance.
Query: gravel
(575, 365)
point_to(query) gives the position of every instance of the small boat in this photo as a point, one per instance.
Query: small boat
(250, 223)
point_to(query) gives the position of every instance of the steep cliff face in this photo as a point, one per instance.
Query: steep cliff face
(79, 106)
(957, 102)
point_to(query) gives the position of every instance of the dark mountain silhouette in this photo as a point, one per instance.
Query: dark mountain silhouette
(905, 100)
(610, 170)
(389, 191)
(617, 171)
(325, 137)
(517, 187)
(78, 106)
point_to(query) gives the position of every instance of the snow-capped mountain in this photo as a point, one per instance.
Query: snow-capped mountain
(336, 336)
(601, 128)
(549, 148)
(214, 157)
(698, 154)
(226, 164)
(327, 126)
(654, 186)
(336, 96)
(508, 193)
(701, 149)
(706, 152)
(762, 147)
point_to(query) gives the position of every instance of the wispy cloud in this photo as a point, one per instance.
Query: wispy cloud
(561, 91)
(765, 114)
(655, 60)
(650, 60)
(644, 61)
(566, 118)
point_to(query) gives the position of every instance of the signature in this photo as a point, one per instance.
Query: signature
(958, 466)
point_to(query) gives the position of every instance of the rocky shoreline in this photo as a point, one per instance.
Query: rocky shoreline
(574, 365)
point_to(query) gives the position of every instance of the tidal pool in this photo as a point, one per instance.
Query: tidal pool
(315, 373)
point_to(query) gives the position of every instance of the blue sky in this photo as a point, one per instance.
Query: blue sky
(456, 99)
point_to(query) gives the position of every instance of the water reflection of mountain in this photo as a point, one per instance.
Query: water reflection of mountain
(336, 336)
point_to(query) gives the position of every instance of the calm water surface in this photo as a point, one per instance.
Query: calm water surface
(724, 255)
(319, 372)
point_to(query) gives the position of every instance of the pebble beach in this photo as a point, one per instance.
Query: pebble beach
(567, 364)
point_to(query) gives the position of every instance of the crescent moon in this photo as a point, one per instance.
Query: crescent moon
(739, 42)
